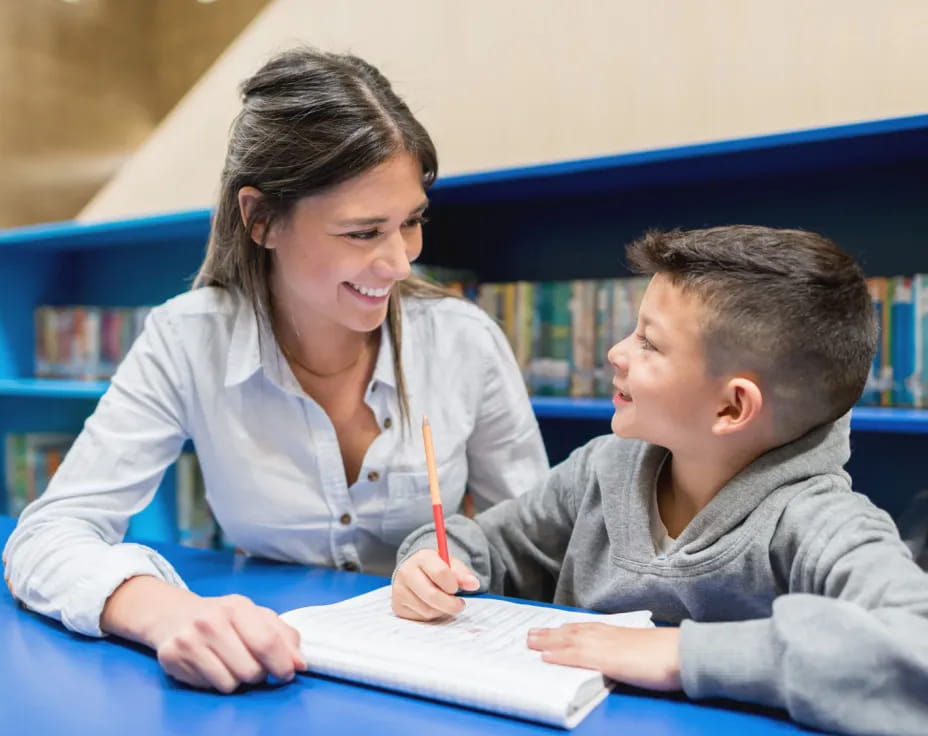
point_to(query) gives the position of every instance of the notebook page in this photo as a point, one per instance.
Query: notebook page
(479, 658)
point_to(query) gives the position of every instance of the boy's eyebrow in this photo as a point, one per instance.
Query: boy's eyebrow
(367, 221)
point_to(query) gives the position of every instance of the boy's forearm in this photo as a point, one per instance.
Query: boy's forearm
(144, 608)
(830, 663)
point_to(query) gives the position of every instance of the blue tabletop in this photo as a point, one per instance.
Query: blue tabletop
(56, 682)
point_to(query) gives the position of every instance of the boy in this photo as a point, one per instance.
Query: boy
(720, 503)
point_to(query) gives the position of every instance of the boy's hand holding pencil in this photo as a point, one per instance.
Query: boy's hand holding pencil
(424, 587)
(426, 584)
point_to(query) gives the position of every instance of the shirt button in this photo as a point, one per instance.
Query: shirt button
(345, 519)
(387, 423)
(373, 476)
(350, 567)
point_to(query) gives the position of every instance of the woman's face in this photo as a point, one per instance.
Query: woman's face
(338, 257)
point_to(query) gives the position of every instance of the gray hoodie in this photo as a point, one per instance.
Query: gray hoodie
(791, 590)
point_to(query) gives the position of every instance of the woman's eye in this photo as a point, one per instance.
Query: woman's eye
(644, 342)
(416, 221)
(363, 235)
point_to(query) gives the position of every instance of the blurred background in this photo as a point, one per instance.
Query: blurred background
(118, 108)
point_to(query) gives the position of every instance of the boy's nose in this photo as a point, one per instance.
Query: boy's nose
(617, 355)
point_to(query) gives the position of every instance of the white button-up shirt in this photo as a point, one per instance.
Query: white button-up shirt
(206, 368)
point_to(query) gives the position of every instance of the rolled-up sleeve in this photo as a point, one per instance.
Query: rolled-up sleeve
(66, 555)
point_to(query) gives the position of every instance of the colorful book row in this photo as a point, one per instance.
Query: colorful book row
(84, 342)
(31, 460)
(560, 331)
(899, 376)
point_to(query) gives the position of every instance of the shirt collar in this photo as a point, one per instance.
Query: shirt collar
(252, 337)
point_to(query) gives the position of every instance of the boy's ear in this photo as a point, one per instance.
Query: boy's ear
(742, 401)
(249, 200)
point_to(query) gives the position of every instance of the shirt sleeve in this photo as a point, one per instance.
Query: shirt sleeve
(517, 547)
(66, 556)
(847, 647)
(505, 453)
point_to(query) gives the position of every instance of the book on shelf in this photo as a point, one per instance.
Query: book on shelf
(477, 659)
(30, 460)
(196, 526)
(84, 342)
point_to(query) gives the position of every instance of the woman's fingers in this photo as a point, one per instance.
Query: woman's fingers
(186, 659)
(229, 641)
(267, 641)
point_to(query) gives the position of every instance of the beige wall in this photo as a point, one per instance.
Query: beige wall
(83, 84)
(511, 82)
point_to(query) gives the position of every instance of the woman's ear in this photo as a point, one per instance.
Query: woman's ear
(249, 200)
(742, 402)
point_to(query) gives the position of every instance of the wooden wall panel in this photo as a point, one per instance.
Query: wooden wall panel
(512, 82)
(83, 84)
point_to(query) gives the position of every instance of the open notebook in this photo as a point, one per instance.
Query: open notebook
(478, 659)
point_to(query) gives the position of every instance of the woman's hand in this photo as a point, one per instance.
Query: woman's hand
(646, 658)
(217, 643)
(424, 587)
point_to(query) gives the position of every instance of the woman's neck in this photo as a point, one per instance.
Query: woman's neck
(321, 350)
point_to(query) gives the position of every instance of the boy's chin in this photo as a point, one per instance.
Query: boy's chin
(626, 433)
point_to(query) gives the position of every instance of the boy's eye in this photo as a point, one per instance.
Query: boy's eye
(644, 342)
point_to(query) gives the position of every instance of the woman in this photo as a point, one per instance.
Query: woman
(299, 366)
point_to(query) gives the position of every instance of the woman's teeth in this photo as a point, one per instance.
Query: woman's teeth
(368, 291)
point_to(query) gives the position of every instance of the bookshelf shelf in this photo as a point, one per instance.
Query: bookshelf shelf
(52, 388)
(839, 146)
(73, 235)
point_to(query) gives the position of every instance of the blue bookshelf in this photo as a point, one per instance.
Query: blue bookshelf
(862, 184)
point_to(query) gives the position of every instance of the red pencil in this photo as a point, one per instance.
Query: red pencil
(434, 491)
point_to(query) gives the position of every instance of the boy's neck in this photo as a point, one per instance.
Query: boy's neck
(688, 482)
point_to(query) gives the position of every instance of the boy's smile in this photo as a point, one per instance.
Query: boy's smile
(663, 392)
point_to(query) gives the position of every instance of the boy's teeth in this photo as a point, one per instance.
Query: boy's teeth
(367, 291)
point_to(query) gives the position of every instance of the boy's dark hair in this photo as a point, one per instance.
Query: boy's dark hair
(787, 305)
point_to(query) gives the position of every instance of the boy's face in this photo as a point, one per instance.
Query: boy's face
(664, 394)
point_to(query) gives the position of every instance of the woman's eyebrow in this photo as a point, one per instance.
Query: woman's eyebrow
(367, 221)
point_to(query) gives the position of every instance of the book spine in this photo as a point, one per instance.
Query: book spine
(903, 341)
(920, 388)
(886, 341)
(873, 387)
(603, 330)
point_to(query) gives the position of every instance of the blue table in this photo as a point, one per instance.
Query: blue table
(56, 682)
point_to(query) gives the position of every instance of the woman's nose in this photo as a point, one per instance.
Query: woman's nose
(393, 261)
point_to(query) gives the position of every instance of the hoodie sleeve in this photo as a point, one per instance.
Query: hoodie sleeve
(516, 548)
(846, 648)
